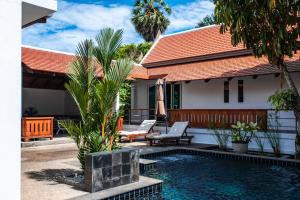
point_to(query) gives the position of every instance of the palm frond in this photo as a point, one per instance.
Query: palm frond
(108, 42)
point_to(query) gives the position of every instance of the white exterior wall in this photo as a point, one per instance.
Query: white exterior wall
(202, 95)
(49, 102)
(10, 101)
(210, 95)
(11, 17)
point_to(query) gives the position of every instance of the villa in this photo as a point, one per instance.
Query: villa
(204, 82)
(208, 80)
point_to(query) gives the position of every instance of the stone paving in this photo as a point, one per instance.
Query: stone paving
(40, 164)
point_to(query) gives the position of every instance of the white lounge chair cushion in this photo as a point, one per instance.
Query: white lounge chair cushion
(177, 130)
(125, 133)
(145, 127)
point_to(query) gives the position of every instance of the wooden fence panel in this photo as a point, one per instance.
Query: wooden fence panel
(206, 118)
(37, 127)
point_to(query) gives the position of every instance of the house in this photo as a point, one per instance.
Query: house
(15, 15)
(209, 80)
(44, 74)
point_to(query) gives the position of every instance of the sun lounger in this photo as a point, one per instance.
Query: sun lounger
(142, 130)
(176, 133)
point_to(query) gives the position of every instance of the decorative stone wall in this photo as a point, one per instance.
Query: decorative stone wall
(105, 170)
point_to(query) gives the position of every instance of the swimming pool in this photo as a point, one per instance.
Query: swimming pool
(200, 177)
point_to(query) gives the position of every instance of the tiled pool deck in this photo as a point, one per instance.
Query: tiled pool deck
(38, 161)
(145, 186)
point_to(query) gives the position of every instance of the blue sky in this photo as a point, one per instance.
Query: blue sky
(76, 20)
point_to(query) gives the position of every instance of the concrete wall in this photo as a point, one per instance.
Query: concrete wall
(49, 102)
(198, 94)
(10, 101)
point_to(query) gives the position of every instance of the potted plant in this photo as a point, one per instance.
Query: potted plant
(241, 135)
(104, 163)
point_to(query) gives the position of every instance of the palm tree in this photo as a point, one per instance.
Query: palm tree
(94, 97)
(149, 18)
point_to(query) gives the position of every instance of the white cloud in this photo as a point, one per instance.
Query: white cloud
(74, 22)
(188, 15)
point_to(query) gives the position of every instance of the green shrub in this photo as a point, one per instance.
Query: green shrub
(240, 132)
(95, 98)
(283, 100)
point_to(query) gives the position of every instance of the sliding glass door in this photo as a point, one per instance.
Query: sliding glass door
(173, 97)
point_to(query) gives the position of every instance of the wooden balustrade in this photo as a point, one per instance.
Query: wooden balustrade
(219, 118)
(37, 127)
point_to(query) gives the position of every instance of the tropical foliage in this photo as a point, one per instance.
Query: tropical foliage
(222, 138)
(283, 100)
(259, 142)
(149, 18)
(269, 28)
(273, 134)
(95, 97)
(125, 97)
(242, 132)
(206, 21)
(134, 52)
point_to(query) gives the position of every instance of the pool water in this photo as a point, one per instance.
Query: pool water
(195, 177)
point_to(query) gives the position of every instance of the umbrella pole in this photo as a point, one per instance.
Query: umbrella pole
(166, 108)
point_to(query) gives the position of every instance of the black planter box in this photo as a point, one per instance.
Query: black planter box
(105, 170)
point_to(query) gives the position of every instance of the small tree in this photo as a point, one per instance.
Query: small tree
(269, 28)
(95, 98)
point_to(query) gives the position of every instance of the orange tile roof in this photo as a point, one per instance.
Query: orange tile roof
(204, 53)
(222, 68)
(46, 61)
(196, 42)
(139, 72)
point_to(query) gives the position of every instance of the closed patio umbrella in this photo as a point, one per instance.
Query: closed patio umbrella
(160, 108)
(160, 105)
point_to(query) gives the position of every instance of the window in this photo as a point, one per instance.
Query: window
(176, 96)
(240, 91)
(226, 91)
(169, 91)
(151, 101)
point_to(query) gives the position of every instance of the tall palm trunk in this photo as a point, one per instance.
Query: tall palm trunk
(296, 109)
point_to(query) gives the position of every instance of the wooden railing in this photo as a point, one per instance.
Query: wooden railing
(219, 118)
(37, 127)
